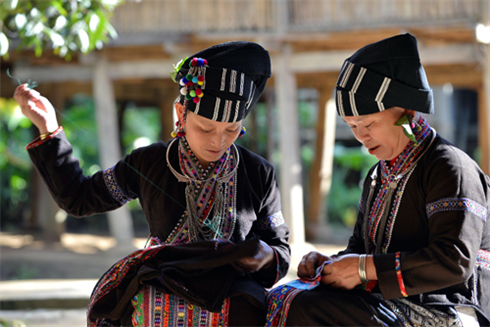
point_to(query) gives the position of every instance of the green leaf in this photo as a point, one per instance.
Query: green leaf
(404, 122)
(59, 7)
(11, 4)
(177, 68)
(4, 44)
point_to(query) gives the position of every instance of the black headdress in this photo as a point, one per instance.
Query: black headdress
(225, 81)
(382, 75)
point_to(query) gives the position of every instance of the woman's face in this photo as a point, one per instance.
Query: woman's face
(207, 138)
(379, 134)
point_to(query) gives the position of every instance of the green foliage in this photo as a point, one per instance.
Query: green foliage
(141, 127)
(11, 323)
(15, 164)
(69, 26)
(80, 127)
(343, 199)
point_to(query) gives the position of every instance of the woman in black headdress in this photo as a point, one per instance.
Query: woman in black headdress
(217, 235)
(419, 253)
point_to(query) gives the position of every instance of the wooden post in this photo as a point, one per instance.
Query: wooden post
(290, 166)
(321, 171)
(484, 108)
(271, 125)
(120, 222)
(484, 121)
(167, 114)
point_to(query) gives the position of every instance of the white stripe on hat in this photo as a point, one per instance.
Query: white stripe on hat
(198, 105)
(223, 80)
(203, 86)
(251, 94)
(242, 81)
(237, 109)
(233, 81)
(358, 79)
(226, 111)
(339, 101)
(381, 106)
(353, 103)
(382, 90)
(348, 71)
(216, 109)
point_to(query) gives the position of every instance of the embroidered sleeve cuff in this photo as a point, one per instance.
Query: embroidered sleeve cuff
(114, 188)
(388, 282)
(38, 141)
(399, 276)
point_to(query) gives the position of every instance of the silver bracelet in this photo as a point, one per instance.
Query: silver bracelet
(362, 268)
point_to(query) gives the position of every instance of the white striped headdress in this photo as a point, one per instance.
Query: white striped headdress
(382, 75)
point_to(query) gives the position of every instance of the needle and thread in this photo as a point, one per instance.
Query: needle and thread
(206, 222)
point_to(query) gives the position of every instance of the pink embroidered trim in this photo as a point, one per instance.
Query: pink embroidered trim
(37, 142)
(483, 259)
(399, 275)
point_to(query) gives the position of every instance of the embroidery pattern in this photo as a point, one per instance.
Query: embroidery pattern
(404, 164)
(154, 308)
(113, 277)
(205, 190)
(272, 221)
(483, 259)
(410, 314)
(398, 269)
(457, 204)
(113, 187)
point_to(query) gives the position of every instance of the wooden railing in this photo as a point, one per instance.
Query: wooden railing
(185, 16)
(348, 14)
(225, 16)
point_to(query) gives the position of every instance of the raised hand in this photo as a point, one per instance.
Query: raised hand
(37, 108)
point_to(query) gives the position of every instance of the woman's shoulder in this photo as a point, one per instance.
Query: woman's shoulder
(444, 157)
(150, 152)
(445, 153)
(252, 160)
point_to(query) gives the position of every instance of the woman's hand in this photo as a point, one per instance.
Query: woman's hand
(37, 108)
(342, 272)
(309, 263)
(264, 257)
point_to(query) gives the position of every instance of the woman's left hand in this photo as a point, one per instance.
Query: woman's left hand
(342, 272)
(264, 257)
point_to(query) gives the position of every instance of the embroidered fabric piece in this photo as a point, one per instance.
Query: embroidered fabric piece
(205, 189)
(272, 221)
(37, 142)
(113, 187)
(113, 277)
(154, 308)
(483, 259)
(456, 204)
(410, 314)
(279, 299)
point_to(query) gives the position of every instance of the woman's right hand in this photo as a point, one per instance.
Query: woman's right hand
(309, 263)
(37, 108)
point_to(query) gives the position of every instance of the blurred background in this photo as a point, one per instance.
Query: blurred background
(105, 65)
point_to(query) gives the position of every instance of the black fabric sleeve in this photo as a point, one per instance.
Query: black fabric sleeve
(454, 191)
(77, 194)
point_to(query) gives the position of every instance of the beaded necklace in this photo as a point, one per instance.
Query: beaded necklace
(210, 196)
(379, 219)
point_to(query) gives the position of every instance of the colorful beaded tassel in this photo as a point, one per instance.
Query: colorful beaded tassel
(194, 80)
